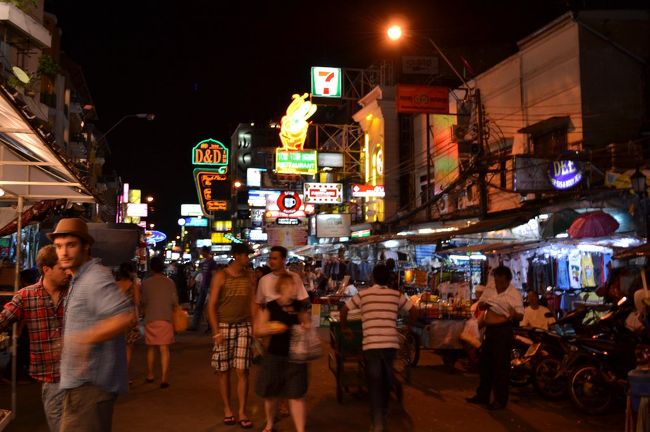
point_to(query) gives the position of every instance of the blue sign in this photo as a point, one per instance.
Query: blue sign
(193, 222)
(154, 237)
(564, 174)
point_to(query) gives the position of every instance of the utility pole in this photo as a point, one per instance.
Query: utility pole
(427, 189)
(480, 160)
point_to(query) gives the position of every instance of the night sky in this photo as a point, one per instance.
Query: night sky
(204, 66)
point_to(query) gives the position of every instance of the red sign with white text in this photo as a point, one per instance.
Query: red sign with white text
(323, 193)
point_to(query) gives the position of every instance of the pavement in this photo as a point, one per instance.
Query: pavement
(433, 401)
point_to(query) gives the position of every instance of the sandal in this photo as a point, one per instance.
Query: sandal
(245, 423)
(230, 420)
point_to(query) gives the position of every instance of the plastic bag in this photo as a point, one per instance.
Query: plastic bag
(305, 344)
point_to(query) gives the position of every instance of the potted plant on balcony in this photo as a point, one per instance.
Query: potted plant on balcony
(24, 5)
(47, 66)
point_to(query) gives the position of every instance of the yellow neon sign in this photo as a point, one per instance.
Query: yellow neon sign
(294, 125)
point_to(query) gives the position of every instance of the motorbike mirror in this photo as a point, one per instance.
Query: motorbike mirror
(621, 301)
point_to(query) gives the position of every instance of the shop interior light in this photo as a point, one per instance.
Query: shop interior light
(543, 217)
(593, 248)
(405, 233)
(562, 235)
(2, 192)
(391, 243)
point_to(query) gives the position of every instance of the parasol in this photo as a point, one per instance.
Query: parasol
(593, 224)
(559, 222)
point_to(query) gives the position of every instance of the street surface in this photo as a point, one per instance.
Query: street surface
(434, 401)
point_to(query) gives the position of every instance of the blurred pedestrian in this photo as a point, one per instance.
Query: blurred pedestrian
(230, 312)
(129, 284)
(280, 378)
(380, 306)
(159, 300)
(208, 269)
(40, 307)
(93, 361)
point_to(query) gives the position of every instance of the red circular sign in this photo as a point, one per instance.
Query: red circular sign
(289, 202)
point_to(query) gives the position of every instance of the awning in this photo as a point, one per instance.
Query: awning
(31, 164)
(37, 211)
(636, 252)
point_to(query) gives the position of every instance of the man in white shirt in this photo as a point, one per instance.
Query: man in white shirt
(503, 305)
(266, 286)
(535, 315)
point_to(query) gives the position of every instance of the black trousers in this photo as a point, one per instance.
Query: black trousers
(494, 363)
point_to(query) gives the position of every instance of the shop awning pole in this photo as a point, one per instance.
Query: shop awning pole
(14, 341)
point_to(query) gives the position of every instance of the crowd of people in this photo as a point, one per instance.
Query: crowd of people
(83, 322)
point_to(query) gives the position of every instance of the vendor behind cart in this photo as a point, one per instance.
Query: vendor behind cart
(379, 306)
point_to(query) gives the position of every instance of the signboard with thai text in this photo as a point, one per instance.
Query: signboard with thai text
(323, 193)
(333, 225)
(422, 99)
(296, 162)
(287, 236)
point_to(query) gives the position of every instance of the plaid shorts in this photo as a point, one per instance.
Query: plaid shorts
(235, 350)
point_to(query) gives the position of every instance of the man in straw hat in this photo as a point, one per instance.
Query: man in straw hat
(93, 362)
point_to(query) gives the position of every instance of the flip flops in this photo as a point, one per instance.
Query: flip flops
(230, 420)
(245, 423)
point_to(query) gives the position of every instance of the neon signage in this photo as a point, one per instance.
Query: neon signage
(210, 152)
(294, 125)
(564, 174)
(296, 162)
(205, 179)
(324, 193)
(368, 191)
(154, 237)
(289, 202)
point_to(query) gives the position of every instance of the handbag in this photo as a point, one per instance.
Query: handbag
(180, 319)
(305, 345)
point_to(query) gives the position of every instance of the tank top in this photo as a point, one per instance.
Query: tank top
(235, 297)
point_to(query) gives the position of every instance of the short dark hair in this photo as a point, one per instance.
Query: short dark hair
(206, 249)
(502, 271)
(241, 248)
(46, 258)
(125, 270)
(281, 250)
(381, 274)
(157, 264)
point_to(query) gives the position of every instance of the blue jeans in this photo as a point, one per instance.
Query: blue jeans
(198, 308)
(53, 397)
(379, 373)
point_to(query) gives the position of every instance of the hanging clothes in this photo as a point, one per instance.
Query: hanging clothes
(574, 270)
(587, 267)
(562, 278)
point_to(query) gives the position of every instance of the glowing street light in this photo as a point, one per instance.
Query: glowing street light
(394, 32)
(152, 226)
(237, 184)
(149, 199)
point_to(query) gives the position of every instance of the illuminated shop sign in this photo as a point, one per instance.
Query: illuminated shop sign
(193, 222)
(564, 174)
(294, 125)
(287, 221)
(136, 210)
(154, 237)
(289, 202)
(205, 179)
(360, 233)
(324, 193)
(210, 152)
(422, 99)
(203, 242)
(191, 210)
(333, 225)
(257, 198)
(368, 191)
(296, 162)
(326, 82)
(258, 235)
(331, 160)
(254, 177)
(219, 237)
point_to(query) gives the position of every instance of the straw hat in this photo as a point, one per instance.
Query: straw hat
(72, 226)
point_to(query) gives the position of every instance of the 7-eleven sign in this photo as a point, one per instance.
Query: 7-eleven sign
(326, 82)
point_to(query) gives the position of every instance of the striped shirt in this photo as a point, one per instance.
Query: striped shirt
(379, 308)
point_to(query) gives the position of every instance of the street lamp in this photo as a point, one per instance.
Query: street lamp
(146, 116)
(395, 33)
(149, 199)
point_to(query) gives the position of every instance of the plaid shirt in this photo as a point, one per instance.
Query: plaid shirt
(43, 318)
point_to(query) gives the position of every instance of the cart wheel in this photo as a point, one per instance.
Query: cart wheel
(411, 349)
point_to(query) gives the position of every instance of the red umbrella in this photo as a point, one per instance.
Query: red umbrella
(593, 224)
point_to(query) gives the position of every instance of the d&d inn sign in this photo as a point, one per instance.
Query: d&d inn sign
(564, 174)
(210, 152)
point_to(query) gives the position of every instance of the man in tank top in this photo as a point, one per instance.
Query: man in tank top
(230, 312)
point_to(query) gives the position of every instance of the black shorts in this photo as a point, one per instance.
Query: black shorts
(278, 377)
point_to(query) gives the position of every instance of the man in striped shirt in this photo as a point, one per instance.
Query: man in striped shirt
(379, 306)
